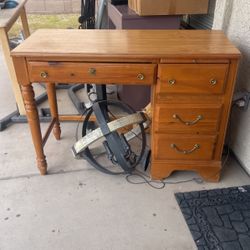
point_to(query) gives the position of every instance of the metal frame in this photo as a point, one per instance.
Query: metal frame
(45, 115)
(15, 116)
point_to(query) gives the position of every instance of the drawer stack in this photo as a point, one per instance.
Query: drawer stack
(189, 105)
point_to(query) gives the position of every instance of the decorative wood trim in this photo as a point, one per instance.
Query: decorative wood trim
(208, 170)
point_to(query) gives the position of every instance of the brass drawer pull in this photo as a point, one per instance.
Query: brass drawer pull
(188, 123)
(171, 81)
(185, 152)
(44, 74)
(213, 81)
(92, 71)
(140, 76)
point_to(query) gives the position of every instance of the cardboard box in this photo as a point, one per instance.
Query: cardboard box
(168, 7)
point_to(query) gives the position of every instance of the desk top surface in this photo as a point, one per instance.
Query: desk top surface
(6, 15)
(126, 44)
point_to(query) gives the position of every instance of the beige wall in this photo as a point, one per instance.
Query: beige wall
(233, 16)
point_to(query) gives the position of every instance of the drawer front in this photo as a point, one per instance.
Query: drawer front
(187, 118)
(192, 78)
(92, 72)
(184, 147)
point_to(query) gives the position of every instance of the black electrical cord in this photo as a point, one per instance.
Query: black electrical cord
(145, 179)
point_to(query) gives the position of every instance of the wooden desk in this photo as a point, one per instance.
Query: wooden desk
(191, 73)
(7, 18)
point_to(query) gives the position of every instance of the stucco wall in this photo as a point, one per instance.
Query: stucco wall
(233, 16)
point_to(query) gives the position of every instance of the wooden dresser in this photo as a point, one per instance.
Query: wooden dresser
(192, 75)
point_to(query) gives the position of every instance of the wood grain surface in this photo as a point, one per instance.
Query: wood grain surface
(192, 78)
(127, 43)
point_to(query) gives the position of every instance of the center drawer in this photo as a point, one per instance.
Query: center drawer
(192, 78)
(187, 118)
(74, 72)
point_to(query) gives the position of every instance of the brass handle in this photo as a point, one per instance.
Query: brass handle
(92, 71)
(188, 123)
(140, 76)
(213, 81)
(44, 74)
(172, 81)
(185, 152)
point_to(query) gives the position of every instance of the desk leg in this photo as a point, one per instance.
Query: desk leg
(51, 91)
(33, 119)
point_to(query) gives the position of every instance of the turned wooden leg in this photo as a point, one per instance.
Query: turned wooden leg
(33, 119)
(51, 91)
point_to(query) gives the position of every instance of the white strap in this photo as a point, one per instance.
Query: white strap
(96, 134)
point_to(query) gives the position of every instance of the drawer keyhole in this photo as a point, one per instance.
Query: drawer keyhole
(92, 71)
(44, 74)
(171, 81)
(213, 81)
(140, 76)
